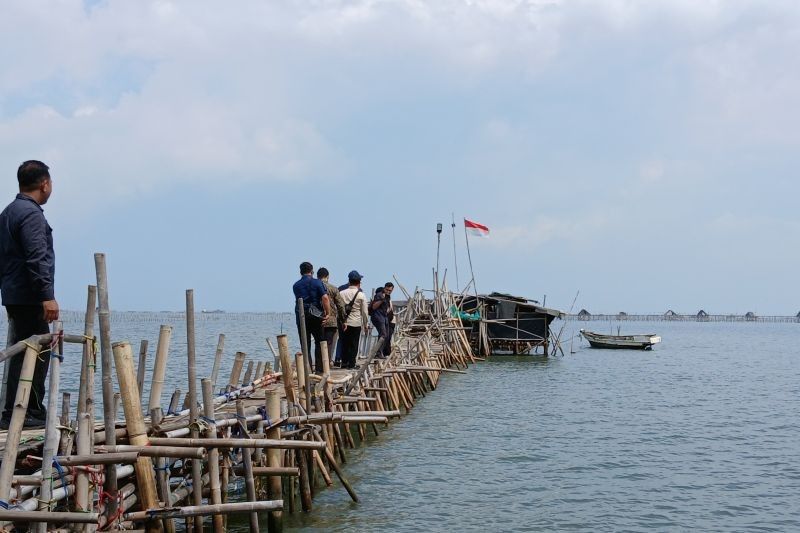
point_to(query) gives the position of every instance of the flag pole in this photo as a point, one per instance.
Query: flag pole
(455, 256)
(469, 256)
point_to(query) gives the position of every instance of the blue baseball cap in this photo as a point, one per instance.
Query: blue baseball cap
(354, 276)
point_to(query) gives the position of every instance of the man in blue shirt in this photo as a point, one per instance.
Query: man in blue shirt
(27, 272)
(316, 307)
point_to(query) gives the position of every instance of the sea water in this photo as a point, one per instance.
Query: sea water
(700, 433)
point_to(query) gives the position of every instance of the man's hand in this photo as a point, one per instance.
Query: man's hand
(50, 310)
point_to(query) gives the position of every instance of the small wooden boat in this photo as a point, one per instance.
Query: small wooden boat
(621, 342)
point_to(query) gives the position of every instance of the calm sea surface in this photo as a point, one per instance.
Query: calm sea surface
(701, 433)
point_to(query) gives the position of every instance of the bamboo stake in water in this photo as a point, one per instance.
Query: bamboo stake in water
(274, 355)
(17, 420)
(164, 492)
(160, 367)
(306, 351)
(142, 368)
(51, 433)
(274, 489)
(104, 317)
(213, 453)
(173, 402)
(248, 374)
(247, 459)
(197, 473)
(236, 370)
(137, 430)
(217, 361)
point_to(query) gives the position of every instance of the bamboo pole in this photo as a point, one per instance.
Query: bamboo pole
(274, 489)
(201, 510)
(85, 442)
(248, 374)
(176, 452)
(51, 433)
(160, 367)
(213, 453)
(142, 368)
(300, 368)
(197, 474)
(286, 376)
(217, 360)
(247, 460)
(104, 318)
(274, 355)
(237, 443)
(137, 431)
(259, 369)
(17, 420)
(173, 402)
(306, 349)
(267, 471)
(24, 517)
(162, 475)
(236, 370)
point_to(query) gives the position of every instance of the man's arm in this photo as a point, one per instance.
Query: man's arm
(326, 305)
(38, 262)
(364, 313)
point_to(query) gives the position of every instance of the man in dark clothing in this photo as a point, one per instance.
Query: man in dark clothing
(331, 324)
(381, 308)
(27, 273)
(316, 307)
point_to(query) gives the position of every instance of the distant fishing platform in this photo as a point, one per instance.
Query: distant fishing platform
(672, 316)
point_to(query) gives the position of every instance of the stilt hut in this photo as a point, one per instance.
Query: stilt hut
(511, 324)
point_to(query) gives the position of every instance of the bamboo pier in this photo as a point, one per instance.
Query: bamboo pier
(285, 431)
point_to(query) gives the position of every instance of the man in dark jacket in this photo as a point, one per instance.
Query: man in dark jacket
(382, 314)
(27, 272)
(316, 308)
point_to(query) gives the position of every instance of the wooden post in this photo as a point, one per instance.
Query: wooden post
(173, 402)
(248, 374)
(213, 453)
(197, 471)
(160, 367)
(236, 370)
(51, 433)
(104, 317)
(86, 412)
(164, 492)
(17, 420)
(274, 492)
(217, 361)
(259, 369)
(247, 459)
(274, 355)
(301, 377)
(286, 365)
(142, 368)
(137, 430)
(306, 351)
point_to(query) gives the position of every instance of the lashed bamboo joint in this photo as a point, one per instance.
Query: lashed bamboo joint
(151, 468)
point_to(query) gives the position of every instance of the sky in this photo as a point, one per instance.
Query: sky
(640, 154)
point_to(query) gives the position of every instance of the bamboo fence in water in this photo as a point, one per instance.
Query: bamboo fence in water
(281, 428)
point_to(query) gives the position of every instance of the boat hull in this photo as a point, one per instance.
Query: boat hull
(621, 342)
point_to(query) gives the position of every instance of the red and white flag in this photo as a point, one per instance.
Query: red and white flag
(479, 230)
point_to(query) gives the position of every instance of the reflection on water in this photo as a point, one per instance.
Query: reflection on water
(700, 433)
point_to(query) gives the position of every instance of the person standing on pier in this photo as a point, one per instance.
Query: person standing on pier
(330, 325)
(380, 306)
(316, 308)
(355, 309)
(27, 274)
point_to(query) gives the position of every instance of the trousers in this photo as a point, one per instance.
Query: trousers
(24, 321)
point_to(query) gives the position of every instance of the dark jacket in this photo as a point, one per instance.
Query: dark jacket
(27, 259)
